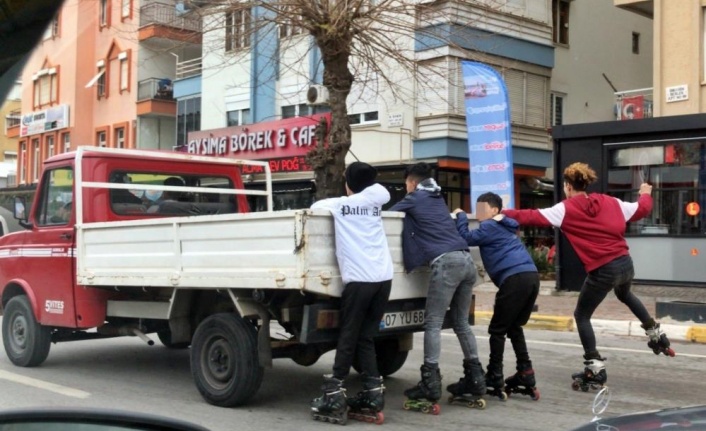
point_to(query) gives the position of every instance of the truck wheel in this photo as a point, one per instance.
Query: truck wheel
(165, 337)
(26, 342)
(224, 360)
(389, 358)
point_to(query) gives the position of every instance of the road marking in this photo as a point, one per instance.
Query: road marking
(41, 384)
(600, 348)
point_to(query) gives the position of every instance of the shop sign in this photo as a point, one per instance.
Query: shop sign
(46, 120)
(283, 143)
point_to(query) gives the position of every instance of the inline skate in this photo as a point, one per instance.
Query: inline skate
(423, 397)
(471, 387)
(331, 406)
(593, 376)
(659, 343)
(494, 382)
(523, 382)
(368, 404)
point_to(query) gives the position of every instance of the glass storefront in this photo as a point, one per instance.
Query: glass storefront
(677, 172)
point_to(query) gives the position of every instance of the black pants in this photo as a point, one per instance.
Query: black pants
(615, 275)
(362, 307)
(513, 306)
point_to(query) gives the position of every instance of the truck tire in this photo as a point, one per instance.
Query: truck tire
(389, 356)
(224, 361)
(26, 342)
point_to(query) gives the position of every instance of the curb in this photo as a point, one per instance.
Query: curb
(690, 333)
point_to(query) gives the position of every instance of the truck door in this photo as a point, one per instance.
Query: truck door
(49, 250)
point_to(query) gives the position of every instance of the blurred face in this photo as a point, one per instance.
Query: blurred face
(411, 184)
(485, 211)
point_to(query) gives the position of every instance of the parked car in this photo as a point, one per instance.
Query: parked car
(673, 418)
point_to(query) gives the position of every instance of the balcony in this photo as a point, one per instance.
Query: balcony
(160, 21)
(12, 124)
(155, 96)
(188, 68)
(633, 104)
(640, 7)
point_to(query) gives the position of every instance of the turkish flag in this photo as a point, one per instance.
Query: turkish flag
(633, 107)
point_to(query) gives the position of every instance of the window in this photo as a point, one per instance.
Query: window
(45, 87)
(56, 202)
(237, 29)
(23, 163)
(303, 109)
(364, 118)
(101, 86)
(50, 146)
(66, 138)
(53, 30)
(101, 139)
(560, 18)
(238, 117)
(188, 118)
(104, 13)
(557, 109)
(126, 9)
(120, 137)
(529, 98)
(124, 60)
(35, 160)
(289, 29)
(635, 43)
(160, 202)
(675, 171)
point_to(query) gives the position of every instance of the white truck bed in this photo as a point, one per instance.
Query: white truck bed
(292, 249)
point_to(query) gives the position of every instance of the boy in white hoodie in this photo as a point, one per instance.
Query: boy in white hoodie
(365, 264)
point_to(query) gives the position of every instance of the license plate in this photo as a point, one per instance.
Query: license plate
(400, 319)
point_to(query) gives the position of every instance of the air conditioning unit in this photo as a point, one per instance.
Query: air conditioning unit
(317, 95)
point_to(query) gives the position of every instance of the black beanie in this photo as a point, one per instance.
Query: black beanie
(360, 176)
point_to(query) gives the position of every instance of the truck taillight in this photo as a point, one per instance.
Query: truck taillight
(327, 319)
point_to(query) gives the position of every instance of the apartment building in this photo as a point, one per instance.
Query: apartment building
(102, 75)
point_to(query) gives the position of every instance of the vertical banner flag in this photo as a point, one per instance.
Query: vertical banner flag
(489, 138)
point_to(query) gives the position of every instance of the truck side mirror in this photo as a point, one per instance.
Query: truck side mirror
(20, 213)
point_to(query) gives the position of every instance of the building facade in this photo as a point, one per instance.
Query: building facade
(102, 75)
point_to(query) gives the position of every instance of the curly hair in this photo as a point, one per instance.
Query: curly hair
(580, 176)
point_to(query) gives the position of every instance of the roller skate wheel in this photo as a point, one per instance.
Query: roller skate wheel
(379, 418)
(670, 352)
(406, 405)
(535, 394)
(435, 409)
(425, 409)
(504, 396)
(480, 404)
(575, 385)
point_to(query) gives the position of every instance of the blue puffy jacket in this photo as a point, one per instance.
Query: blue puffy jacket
(502, 251)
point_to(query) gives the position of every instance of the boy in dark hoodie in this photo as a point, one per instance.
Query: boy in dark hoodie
(511, 269)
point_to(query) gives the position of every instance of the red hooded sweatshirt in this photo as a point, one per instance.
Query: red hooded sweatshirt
(593, 224)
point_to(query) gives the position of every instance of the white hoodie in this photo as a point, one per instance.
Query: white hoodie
(361, 245)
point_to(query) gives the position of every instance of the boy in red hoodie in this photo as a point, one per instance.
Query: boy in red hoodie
(594, 224)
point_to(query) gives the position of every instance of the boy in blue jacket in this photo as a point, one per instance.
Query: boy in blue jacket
(511, 269)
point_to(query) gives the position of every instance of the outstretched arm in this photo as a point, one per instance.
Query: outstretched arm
(546, 217)
(634, 211)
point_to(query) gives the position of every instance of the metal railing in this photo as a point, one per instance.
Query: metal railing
(187, 68)
(166, 14)
(634, 104)
(155, 88)
(12, 119)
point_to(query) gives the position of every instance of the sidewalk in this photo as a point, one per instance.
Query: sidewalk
(555, 311)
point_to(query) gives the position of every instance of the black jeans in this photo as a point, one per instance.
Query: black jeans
(615, 275)
(513, 306)
(362, 307)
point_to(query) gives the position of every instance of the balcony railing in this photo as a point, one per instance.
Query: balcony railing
(187, 68)
(155, 88)
(633, 104)
(12, 119)
(166, 14)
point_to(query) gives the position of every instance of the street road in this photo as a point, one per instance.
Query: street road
(127, 374)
